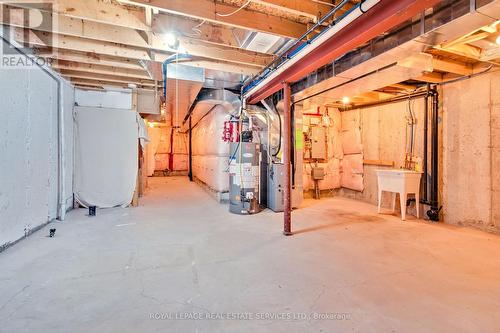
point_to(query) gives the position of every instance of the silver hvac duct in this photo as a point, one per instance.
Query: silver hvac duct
(208, 99)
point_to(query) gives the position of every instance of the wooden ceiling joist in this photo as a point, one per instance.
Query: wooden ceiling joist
(92, 59)
(211, 11)
(70, 43)
(93, 10)
(102, 83)
(108, 78)
(69, 27)
(454, 67)
(99, 69)
(76, 22)
(308, 9)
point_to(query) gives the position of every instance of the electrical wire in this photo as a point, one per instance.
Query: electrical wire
(467, 76)
(196, 29)
(236, 11)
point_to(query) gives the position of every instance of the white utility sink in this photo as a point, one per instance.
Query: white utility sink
(399, 181)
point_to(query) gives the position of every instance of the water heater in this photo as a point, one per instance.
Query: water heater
(244, 178)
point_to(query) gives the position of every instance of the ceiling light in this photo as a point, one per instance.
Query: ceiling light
(172, 40)
(346, 100)
(498, 40)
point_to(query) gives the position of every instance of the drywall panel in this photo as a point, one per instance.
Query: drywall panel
(106, 156)
(104, 98)
(29, 151)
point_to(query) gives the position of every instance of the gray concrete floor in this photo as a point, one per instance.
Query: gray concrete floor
(182, 253)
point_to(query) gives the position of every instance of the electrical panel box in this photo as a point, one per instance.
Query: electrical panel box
(318, 173)
(318, 142)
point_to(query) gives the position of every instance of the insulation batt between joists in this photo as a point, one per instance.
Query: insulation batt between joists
(332, 175)
(210, 152)
(334, 148)
(352, 163)
(344, 149)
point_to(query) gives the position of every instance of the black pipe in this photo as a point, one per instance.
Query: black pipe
(190, 173)
(425, 199)
(433, 212)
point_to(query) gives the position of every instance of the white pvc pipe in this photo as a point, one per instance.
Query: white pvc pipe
(352, 16)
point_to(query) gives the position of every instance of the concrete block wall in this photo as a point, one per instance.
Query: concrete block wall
(29, 151)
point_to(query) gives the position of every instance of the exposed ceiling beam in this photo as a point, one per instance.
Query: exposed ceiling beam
(212, 64)
(91, 58)
(103, 77)
(463, 50)
(188, 27)
(490, 54)
(70, 43)
(101, 83)
(430, 77)
(245, 18)
(304, 8)
(99, 69)
(91, 26)
(454, 67)
(401, 86)
(110, 61)
(467, 39)
(93, 10)
(97, 31)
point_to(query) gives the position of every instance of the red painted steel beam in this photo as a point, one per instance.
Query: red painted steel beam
(382, 17)
(287, 159)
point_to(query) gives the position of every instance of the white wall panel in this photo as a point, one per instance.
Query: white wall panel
(29, 150)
